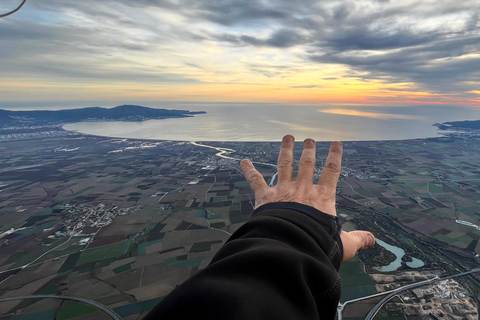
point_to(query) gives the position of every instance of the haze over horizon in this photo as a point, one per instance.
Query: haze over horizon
(330, 53)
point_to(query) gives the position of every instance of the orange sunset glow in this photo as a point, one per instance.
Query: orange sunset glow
(308, 54)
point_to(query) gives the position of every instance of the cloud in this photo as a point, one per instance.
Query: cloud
(304, 87)
(283, 38)
(432, 47)
(86, 50)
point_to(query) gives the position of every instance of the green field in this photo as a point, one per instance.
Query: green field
(435, 188)
(355, 282)
(119, 180)
(72, 309)
(45, 315)
(138, 307)
(102, 253)
(143, 246)
(444, 238)
(203, 246)
(84, 190)
(366, 193)
(217, 225)
(123, 268)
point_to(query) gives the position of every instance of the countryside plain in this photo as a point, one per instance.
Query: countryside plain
(123, 222)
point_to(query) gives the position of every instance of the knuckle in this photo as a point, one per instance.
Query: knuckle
(255, 178)
(285, 163)
(308, 161)
(333, 166)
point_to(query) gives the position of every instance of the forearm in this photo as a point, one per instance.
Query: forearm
(280, 265)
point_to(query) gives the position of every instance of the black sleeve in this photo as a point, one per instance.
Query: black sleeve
(282, 264)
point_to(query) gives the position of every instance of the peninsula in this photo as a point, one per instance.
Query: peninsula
(459, 125)
(120, 113)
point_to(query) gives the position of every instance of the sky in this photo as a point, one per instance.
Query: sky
(334, 53)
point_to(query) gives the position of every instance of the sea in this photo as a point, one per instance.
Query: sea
(270, 122)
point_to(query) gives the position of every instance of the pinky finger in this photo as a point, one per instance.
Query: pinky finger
(253, 177)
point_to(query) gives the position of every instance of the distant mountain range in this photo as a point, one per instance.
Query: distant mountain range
(120, 113)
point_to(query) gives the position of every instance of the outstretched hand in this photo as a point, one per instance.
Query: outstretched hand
(302, 190)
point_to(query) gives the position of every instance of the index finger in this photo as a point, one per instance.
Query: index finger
(333, 166)
(253, 177)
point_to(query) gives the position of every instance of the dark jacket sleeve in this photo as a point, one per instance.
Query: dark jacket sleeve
(282, 264)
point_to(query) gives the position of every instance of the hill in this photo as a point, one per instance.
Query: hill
(120, 113)
(467, 124)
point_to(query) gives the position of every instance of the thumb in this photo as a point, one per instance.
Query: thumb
(354, 241)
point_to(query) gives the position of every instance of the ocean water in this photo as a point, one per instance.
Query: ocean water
(269, 122)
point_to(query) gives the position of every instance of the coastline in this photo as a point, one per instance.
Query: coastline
(439, 135)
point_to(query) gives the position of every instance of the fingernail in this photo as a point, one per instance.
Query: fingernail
(370, 241)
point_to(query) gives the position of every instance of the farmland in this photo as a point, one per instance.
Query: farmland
(123, 222)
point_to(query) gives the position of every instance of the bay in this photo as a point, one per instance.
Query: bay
(270, 122)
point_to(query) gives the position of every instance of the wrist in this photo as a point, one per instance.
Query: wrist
(327, 222)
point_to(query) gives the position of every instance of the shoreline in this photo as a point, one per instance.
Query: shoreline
(440, 136)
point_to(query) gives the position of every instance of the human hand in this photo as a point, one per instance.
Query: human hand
(302, 190)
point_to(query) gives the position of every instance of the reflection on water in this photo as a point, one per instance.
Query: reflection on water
(249, 122)
(399, 252)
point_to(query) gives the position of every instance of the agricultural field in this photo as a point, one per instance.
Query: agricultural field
(123, 222)
(120, 222)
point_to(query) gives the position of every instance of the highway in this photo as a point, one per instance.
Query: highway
(105, 309)
(377, 307)
(342, 306)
